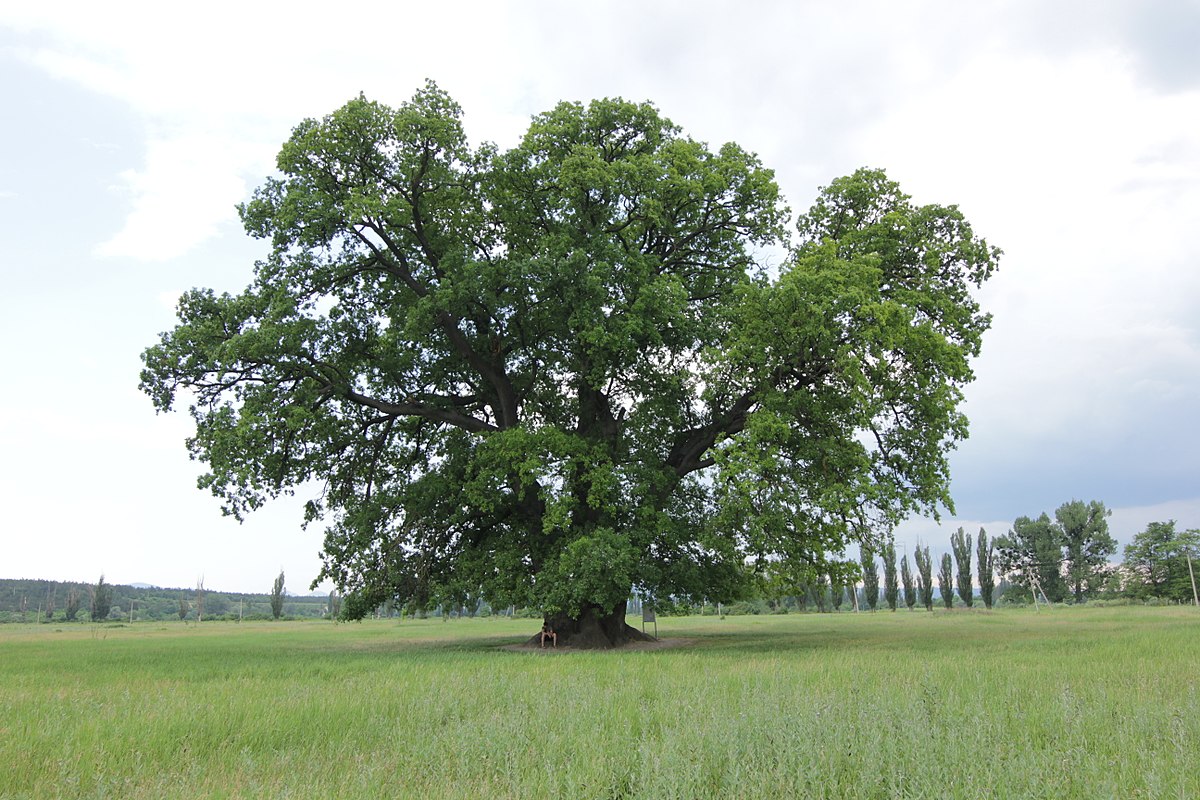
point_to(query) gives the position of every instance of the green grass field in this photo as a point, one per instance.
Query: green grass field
(1067, 703)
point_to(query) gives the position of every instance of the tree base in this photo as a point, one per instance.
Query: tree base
(592, 630)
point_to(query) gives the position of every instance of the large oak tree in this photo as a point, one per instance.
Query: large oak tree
(590, 364)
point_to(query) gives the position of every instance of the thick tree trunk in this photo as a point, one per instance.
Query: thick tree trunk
(594, 629)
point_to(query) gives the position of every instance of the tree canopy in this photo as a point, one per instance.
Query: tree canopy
(1068, 556)
(1031, 556)
(1087, 544)
(552, 374)
(1156, 562)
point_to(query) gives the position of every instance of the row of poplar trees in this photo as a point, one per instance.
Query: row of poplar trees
(954, 574)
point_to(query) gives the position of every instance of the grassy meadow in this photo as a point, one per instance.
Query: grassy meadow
(1065, 703)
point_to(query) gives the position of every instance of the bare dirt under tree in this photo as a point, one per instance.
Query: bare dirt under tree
(652, 644)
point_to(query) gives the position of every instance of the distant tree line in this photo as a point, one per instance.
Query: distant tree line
(23, 600)
(1043, 559)
(1059, 559)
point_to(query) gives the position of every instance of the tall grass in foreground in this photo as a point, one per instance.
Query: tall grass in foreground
(1077, 702)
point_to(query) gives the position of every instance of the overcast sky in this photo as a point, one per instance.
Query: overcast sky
(1068, 132)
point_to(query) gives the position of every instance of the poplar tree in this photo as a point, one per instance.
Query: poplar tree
(946, 581)
(960, 543)
(891, 589)
(906, 579)
(101, 600)
(837, 586)
(200, 599)
(985, 556)
(870, 574)
(924, 576)
(277, 597)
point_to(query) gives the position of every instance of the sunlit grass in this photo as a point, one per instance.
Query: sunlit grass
(1073, 702)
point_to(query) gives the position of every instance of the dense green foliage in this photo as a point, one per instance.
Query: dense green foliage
(946, 581)
(924, 576)
(1156, 563)
(550, 375)
(837, 591)
(277, 592)
(102, 600)
(870, 577)
(906, 580)
(891, 589)
(783, 586)
(960, 545)
(73, 602)
(1081, 703)
(985, 554)
(1031, 555)
(1067, 556)
(1087, 545)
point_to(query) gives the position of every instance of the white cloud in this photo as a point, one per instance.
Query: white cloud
(218, 101)
(169, 299)
(185, 192)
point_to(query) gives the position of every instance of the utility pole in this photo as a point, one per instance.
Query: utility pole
(1036, 587)
(1192, 575)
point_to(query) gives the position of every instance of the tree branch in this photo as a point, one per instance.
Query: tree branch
(434, 413)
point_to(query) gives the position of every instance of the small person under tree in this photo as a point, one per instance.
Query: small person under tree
(548, 633)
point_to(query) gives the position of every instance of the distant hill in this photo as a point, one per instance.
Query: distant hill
(25, 600)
